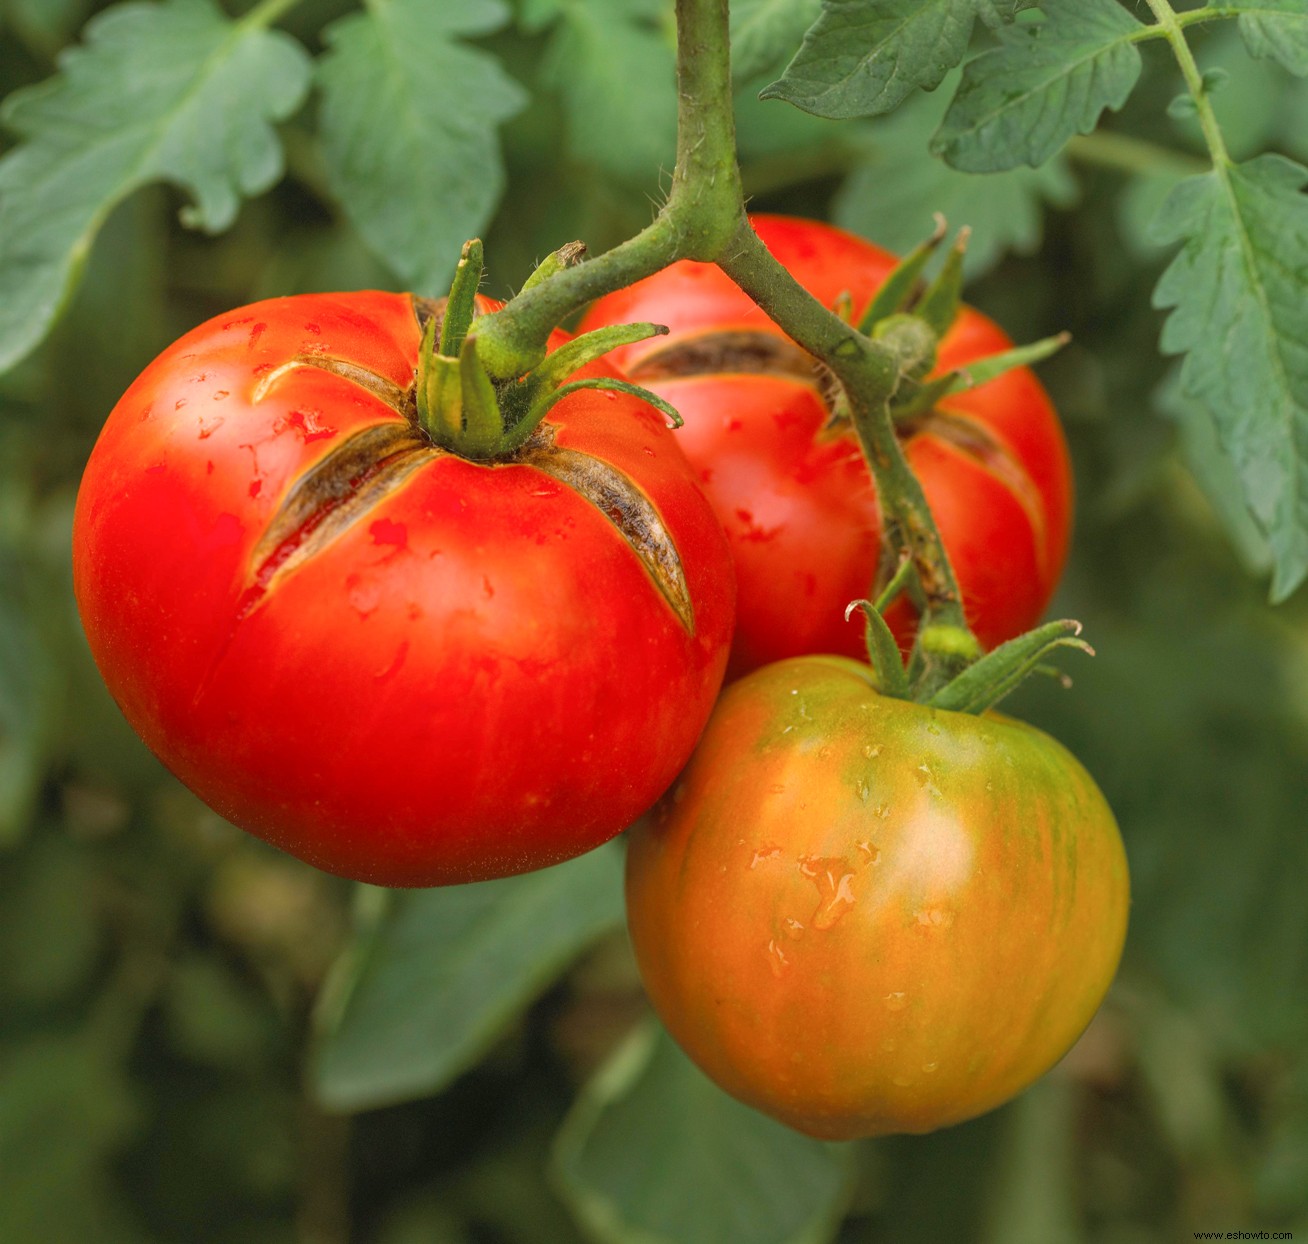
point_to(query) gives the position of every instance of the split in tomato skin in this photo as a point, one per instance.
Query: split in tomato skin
(404, 667)
(863, 916)
(793, 493)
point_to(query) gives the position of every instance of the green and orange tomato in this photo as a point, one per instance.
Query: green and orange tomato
(863, 915)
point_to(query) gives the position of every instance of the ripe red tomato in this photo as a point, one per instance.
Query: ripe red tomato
(795, 495)
(401, 666)
(865, 916)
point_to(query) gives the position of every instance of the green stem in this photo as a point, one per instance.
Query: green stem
(705, 219)
(266, 13)
(1110, 149)
(1173, 30)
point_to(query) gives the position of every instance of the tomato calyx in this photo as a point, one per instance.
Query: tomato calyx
(467, 413)
(348, 482)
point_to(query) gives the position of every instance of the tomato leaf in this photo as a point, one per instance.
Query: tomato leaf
(863, 57)
(433, 978)
(1276, 29)
(614, 66)
(1020, 102)
(1238, 290)
(895, 189)
(409, 119)
(651, 1143)
(203, 94)
(764, 33)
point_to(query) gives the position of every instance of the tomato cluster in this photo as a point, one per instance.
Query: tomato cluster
(414, 666)
(791, 486)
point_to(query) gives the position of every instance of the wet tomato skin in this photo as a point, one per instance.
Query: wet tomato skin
(863, 916)
(474, 677)
(797, 501)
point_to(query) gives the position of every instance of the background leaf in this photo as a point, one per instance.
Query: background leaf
(204, 91)
(895, 188)
(1277, 29)
(651, 1144)
(612, 62)
(765, 33)
(863, 57)
(409, 118)
(1020, 102)
(1238, 289)
(440, 973)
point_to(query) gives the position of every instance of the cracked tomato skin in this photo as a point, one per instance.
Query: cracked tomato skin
(403, 667)
(864, 916)
(797, 501)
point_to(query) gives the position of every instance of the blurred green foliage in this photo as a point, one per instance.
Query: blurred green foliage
(201, 1040)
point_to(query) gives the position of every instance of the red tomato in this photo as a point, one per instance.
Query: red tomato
(401, 666)
(862, 916)
(795, 495)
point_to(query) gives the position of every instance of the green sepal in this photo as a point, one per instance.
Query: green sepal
(982, 371)
(899, 286)
(461, 306)
(612, 385)
(439, 394)
(483, 428)
(567, 256)
(939, 305)
(882, 650)
(575, 354)
(905, 573)
(984, 684)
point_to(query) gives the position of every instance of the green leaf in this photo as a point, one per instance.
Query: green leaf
(764, 33)
(614, 65)
(894, 191)
(203, 94)
(1277, 29)
(1020, 102)
(1214, 472)
(651, 1145)
(409, 119)
(1239, 293)
(863, 57)
(439, 973)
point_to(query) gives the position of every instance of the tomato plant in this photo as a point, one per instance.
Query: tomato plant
(863, 915)
(401, 665)
(791, 486)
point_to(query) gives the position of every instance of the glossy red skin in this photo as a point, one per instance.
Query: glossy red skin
(864, 916)
(477, 678)
(799, 505)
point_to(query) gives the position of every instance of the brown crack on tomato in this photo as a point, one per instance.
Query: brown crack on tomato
(386, 391)
(982, 447)
(331, 497)
(618, 498)
(727, 352)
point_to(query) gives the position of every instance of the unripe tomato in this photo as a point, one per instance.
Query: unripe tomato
(793, 491)
(401, 666)
(865, 916)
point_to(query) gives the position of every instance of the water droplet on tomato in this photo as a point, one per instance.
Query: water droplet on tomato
(895, 1001)
(903, 1081)
(221, 395)
(930, 1067)
(870, 751)
(834, 880)
(872, 852)
(777, 958)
